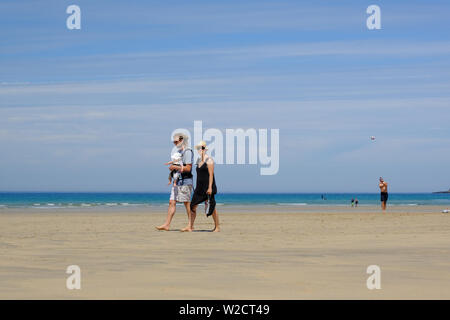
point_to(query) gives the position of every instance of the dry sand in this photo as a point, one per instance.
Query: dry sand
(261, 253)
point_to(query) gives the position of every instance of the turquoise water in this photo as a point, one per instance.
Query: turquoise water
(69, 200)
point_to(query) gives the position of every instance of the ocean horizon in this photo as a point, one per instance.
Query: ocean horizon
(122, 199)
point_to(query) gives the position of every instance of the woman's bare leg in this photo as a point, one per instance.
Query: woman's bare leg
(170, 213)
(193, 215)
(216, 221)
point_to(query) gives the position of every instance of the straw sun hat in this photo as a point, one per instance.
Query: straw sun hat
(201, 145)
(184, 137)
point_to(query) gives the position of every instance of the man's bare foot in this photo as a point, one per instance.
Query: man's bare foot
(216, 229)
(187, 229)
(163, 228)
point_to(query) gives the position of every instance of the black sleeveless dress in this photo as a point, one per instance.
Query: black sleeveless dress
(201, 187)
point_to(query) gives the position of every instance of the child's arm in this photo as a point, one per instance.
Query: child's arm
(167, 163)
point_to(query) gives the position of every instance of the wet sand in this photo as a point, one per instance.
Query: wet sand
(260, 253)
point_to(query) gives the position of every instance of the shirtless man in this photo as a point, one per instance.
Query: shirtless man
(384, 193)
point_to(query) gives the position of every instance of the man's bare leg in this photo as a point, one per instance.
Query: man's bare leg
(189, 226)
(216, 221)
(170, 213)
(383, 205)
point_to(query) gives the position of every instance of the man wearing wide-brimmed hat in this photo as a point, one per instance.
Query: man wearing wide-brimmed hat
(182, 191)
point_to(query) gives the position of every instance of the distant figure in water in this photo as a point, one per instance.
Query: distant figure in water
(353, 202)
(324, 198)
(384, 193)
(356, 202)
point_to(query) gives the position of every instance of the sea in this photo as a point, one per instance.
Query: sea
(48, 200)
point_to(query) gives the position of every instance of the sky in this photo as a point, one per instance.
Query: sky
(93, 109)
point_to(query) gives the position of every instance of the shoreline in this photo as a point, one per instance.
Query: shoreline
(129, 201)
(231, 208)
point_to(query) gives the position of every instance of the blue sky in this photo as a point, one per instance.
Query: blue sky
(93, 109)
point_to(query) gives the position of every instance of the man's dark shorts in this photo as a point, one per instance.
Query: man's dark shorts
(384, 197)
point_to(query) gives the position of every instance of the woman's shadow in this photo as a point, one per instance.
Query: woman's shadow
(199, 230)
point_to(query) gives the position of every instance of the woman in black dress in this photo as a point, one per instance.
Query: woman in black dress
(205, 188)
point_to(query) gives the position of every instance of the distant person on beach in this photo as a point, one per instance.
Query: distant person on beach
(353, 202)
(356, 202)
(182, 190)
(205, 188)
(384, 193)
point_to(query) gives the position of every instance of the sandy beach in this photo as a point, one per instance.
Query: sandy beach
(261, 253)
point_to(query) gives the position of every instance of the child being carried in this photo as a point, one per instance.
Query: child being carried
(175, 175)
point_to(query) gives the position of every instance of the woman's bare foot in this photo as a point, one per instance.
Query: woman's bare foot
(187, 229)
(163, 228)
(216, 229)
